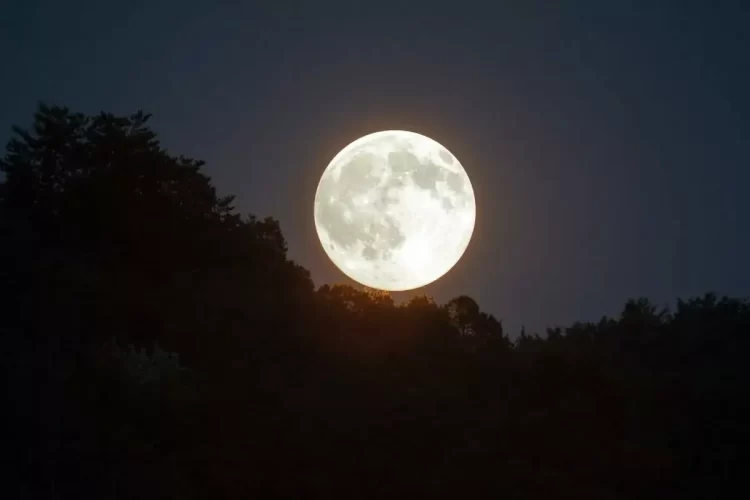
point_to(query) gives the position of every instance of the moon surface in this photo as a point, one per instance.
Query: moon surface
(394, 210)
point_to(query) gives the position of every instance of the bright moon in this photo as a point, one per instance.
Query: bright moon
(394, 210)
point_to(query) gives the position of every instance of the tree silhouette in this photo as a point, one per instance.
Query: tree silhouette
(159, 344)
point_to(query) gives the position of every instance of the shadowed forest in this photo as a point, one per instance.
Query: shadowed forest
(157, 344)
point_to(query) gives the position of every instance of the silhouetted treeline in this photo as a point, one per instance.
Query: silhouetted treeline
(156, 344)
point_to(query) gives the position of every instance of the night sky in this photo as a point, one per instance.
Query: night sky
(607, 142)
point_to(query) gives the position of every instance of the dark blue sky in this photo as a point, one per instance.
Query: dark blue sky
(607, 142)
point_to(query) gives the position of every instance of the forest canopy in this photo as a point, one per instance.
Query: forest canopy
(162, 345)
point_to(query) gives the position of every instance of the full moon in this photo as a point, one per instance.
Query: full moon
(394, 210)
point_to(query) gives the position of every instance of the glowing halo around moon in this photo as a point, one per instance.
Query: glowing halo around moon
(394, 210)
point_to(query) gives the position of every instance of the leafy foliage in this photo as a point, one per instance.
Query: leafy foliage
(281, 390)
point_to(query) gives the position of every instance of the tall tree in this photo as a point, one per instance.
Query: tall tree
(106, 226)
